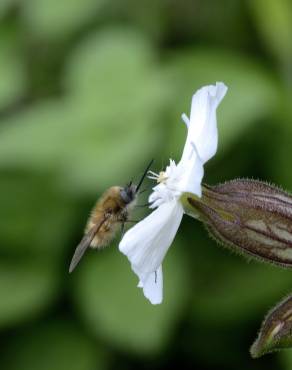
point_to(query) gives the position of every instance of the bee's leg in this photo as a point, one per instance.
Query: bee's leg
(143, 191)
(142, 205)
(122, 229)
(123, 226)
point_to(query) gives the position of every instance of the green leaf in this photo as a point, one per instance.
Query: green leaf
(5, 5)
(274, 22)
(13, 79)
(285, 358)
(35, 218)
(114, 308)
(111, 110)
(239, 292)
(116, 95)
(55, 19)
(280, 161)
(57, 345)
(253, 94)
(27, 288)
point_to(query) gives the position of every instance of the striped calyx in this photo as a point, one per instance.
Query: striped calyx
(276, 330)
(250, 216)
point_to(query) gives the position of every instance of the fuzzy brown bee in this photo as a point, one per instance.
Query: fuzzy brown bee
(109, 214)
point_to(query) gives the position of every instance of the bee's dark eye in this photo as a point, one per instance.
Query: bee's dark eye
(127, 194)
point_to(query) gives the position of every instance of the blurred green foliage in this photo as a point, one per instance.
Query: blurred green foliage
(123, 318)
(90, 91)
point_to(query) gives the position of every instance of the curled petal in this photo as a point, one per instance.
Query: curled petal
(193, 172)
(202, 129)
(146, 243)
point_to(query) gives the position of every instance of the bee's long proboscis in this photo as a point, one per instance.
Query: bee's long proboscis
(85, 243)
(144, 175)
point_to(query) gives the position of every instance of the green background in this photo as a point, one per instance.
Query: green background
(90, 91)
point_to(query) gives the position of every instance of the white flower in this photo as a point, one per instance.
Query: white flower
(147, 242)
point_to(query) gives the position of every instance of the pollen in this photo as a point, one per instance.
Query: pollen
(162, 177)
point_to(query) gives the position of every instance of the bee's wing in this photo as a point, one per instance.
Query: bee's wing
(84, 244)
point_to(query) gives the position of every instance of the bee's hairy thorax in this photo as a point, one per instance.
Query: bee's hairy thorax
(113, 209)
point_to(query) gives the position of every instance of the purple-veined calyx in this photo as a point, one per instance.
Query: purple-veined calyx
(250, 216)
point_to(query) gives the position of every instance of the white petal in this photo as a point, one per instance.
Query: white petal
(193, 173)
(202, 130)
(153, 286)
(147, 242)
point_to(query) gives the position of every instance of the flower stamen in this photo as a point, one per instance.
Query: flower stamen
(185, 119)
(159, 178)
(162, 178)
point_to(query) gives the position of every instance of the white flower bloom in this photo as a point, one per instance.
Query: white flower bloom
(147, 242)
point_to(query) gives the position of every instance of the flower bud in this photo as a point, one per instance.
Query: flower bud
(276, 330)
(250, 216)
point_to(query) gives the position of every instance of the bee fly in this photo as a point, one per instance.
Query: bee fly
(111, 211)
